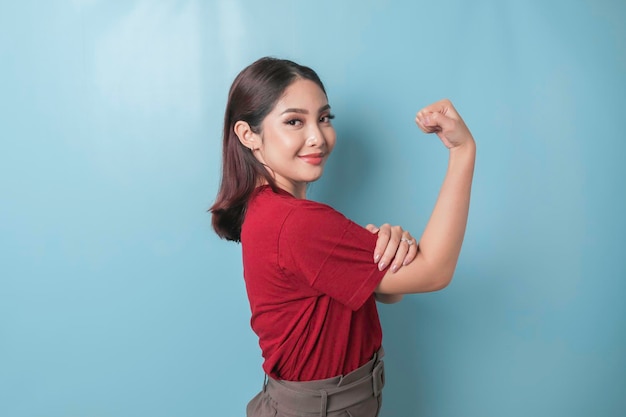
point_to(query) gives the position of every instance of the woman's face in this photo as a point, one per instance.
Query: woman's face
(297, 136)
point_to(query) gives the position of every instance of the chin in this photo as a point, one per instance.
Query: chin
(314, 178)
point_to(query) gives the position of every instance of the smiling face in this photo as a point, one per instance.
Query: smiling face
(296, 137)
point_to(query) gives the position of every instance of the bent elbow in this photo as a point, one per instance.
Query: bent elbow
(388, 298)
(443, 281)
(440, 285)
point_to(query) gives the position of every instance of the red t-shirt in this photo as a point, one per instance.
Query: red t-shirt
(310, 278)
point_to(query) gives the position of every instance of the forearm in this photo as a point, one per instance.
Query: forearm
(440, 244)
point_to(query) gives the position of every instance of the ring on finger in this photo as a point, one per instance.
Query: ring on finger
(408, 241)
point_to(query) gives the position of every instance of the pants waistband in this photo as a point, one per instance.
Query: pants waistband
(331, 394)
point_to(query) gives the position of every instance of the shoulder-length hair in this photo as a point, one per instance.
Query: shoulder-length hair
(251, 98)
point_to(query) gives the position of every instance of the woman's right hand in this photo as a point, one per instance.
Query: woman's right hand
(443, 119)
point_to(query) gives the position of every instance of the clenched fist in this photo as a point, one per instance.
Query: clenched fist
(442, 118)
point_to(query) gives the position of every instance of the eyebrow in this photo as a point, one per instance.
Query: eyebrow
(304, 111)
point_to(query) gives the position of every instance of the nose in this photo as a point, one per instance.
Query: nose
(315, 138)
(311, 140)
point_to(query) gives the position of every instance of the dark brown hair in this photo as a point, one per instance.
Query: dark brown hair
(251, 98)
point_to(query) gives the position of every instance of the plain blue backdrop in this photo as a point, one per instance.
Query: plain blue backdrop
(116, 298)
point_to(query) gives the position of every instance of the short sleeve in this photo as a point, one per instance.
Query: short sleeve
(330, 252)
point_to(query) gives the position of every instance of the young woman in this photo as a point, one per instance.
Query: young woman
(312, 275)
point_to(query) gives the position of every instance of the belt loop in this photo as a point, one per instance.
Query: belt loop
(324, 403)
(264, 382)
(378, 378)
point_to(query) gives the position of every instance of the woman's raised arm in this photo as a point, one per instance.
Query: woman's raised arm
(440, 244)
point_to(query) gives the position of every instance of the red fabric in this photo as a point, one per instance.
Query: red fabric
(310, 278)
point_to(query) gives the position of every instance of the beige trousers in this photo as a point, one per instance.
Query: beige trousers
(357, 394)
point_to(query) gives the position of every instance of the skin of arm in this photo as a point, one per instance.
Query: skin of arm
(388, 298)
(440, 245)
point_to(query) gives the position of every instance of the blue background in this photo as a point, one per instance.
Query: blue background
(116, 298)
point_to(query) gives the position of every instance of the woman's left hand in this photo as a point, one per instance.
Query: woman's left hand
(395, 246)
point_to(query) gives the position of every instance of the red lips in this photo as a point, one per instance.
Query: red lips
(313, 158)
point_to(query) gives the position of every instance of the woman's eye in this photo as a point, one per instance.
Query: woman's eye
(327, 118)
(293, 122)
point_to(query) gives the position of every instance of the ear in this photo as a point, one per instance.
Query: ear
(246, 136)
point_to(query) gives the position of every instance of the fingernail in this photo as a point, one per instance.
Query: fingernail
(426, 121)
(394, 268)
(381, 266)
(377, 257)
(405, 263)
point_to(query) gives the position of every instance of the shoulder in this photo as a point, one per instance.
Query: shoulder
(265, 199)
(314, 216)
(271, 213)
